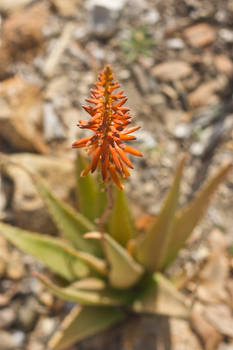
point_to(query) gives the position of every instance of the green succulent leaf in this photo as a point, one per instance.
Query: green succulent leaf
(86, 190)
(97, 264)
(91, 283)
(120, 225)
(187, 218)
(82, 322)
(159, 296)
(124, 272)
(151, 250)
(84, 297)
(71, 224)
(90, 193)
(52, 252)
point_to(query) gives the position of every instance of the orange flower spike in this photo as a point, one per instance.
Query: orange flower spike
(108, 121)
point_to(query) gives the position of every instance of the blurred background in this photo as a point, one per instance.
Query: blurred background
(174, 60)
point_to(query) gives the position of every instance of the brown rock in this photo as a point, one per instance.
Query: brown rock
(15, 267)
(172, 70)
(21, 115)
(213, 279)
(204, 94)
(26, 202)
(7, 317)
(208, 334)
(182, 336)
(10, 6)
(7, 341)
(27, 314)
(200, 35)
(229, 286)
(66, 8)
(22, 34)
(223, 64)
(220, 316)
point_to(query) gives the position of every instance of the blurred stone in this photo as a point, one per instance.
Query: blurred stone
(124, 74)
(182, 131)
(22, 34)
(27, 314)
(175, 43)
(229, 287)
(66, 8)
(21, 114)
(15, 266)
(57, 51)
(214, 274)
(204, 95)
(223, 64)
(197, 149)
(26, 201)
(103, 16)
(46, 325)
(7, 341)
(19, 337)
(56, 87)
(200, 35)
(2, 267)
(220, 316)
(156, 100)
(47, 299)
(146, 139)
(152, 16)
(7, 317)
(182, 336)
(143, 80)
(53, 127)
(10, 6)
(225, 346)
(218, 241)
(208, 334)
(172, 70)
(226, 35)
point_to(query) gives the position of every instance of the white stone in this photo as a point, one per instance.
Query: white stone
(182, 131)
(175, 43)
(113, 5)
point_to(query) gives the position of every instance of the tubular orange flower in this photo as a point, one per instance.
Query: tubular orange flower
(108, 122)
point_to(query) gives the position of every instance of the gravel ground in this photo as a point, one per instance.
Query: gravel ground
(174, 60)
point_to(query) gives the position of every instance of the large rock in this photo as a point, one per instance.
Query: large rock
(21, 115)
(200, 35)
(10, 6)
(22, 35)
(27, 208)
(172, 70)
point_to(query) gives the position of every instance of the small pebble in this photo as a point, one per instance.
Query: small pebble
(197, 149)
(175, 44)
(182, 131)
(19, 337)
(7, 342)
(7, 317)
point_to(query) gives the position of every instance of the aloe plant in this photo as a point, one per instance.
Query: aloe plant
(113, 269)
(102, 274)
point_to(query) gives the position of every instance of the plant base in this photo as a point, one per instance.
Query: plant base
(147, 332)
